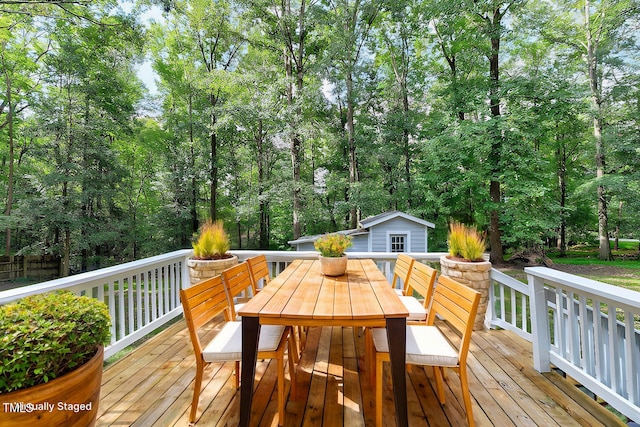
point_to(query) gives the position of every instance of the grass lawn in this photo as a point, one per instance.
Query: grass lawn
(583, 260)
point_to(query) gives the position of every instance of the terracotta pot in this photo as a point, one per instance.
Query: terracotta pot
(333, 266)
(70, 400)
(202, 269)
(474, 275)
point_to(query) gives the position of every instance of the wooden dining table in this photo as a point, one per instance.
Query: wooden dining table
(302, 296)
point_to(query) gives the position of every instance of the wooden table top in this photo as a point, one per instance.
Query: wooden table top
(302, 295)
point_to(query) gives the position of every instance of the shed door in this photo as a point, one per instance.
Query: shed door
(398, 243)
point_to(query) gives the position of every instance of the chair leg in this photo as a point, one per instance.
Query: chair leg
(466, 395)
(370, 355)
(238, 375)
(292, 367)
(280, 388)
(437, 373)
(379, 375)
(196, 392)
(302, 331)
(294, 352)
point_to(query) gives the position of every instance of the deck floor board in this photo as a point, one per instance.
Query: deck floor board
(153, 386)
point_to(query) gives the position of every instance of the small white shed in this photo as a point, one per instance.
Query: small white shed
(391, 231)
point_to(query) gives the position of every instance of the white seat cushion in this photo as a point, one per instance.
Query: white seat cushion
(227, 344)
(237, 308)
(414, 307)
(399, 292)
(425, 346)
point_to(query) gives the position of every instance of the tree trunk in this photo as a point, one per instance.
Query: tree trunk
(214, 169)
(351, 144)
(295, 139)
(596, 100)
(616, 244)
(562, 183)
(263, 242)
(8, 207)
(495, 192)
(193, 211)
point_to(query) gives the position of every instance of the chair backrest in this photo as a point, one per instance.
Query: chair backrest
(421, 280)
(237, 280)
(201, 303)
(259, 270)
(457, 304)
(402, 270)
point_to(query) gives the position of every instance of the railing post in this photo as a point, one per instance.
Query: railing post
(185, 280)
(491, 306)
(539, 325)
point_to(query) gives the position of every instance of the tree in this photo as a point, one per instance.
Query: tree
(490, 15)
(350, 23)
(84, 109)
(206, 44)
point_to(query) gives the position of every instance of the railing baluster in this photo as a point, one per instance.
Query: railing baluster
(144, 284)
(139, 318)
(525, 313)
(631, 367)
(560, 327)
(112, 310)
(586, 348)
(613, 348)
(573, 331)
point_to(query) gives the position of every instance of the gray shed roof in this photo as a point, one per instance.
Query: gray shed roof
(309, 239)
(366, 224)
(386, 216)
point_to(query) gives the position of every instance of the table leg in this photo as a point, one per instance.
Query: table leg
(250, 336)
(397, 338)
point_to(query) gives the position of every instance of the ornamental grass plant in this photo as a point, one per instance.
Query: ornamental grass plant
(466, 242)
(48, 335)
(212, 242)
(333, 245)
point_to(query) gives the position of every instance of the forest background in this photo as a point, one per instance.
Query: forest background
(295, 117)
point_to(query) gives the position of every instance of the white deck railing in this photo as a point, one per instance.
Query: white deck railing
(143, 296)
(509, 305)
(588, 329)
(566, 317)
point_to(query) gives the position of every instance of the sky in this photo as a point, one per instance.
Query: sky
(145, 71)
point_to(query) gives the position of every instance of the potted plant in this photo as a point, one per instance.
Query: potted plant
(210, 252)
(332, 247)
(467, 263)
(52, 354)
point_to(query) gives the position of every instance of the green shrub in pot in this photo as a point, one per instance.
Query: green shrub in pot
(47, 335)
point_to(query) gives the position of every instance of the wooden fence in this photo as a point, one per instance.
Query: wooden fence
(36, 267)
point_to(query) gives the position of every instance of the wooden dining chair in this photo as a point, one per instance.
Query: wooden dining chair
(428, 346)
(402, 271)
(418, 291)
(240, 286)
(419, 287)
(203, 302)
(259, 269)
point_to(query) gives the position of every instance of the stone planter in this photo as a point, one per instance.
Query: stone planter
(202, 269)
(333, 266)
(474, 275)
(70, 400)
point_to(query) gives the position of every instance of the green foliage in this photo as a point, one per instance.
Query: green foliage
(333, 245)
(47, 335)
(212, 241)
(391, 109)
(466, 242)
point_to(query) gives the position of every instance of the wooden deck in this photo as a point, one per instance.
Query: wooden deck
(153, 386)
